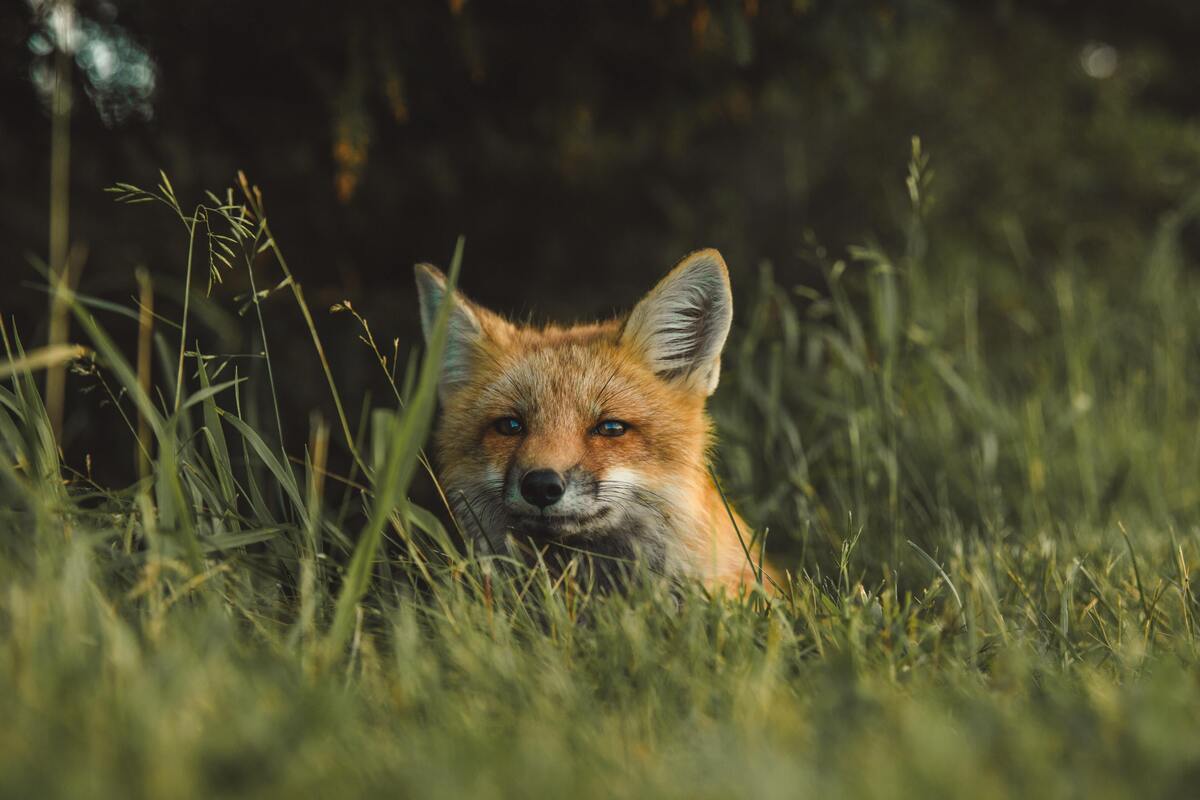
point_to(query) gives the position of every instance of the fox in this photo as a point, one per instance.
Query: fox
(592, 437)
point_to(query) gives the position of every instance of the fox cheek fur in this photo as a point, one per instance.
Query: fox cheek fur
(593, 436)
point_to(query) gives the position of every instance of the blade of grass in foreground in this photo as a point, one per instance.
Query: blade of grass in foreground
(391, 482)
(215, 436)
(174, 508)
(43, 448)
(279, 470)
(43, 358)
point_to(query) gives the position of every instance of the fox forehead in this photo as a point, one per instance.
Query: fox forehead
(561, 374)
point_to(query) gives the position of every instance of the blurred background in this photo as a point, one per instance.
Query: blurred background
(581, 148)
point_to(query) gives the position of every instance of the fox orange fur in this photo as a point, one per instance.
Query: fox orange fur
(592, 437)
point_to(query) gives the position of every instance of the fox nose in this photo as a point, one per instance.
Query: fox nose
(542, 487)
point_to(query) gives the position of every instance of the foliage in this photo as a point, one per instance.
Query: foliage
(992, 542)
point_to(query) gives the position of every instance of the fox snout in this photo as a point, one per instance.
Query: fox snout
(542, 487)
(547, 492)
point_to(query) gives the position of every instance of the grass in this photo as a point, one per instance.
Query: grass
(987, 498)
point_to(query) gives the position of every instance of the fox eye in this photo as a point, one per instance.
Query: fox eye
(611, 427)
(508, 426)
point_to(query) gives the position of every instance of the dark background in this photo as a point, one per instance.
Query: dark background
(582, 148)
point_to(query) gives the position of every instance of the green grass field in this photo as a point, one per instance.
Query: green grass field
(984, 480)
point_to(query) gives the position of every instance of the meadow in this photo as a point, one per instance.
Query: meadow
(983, 484)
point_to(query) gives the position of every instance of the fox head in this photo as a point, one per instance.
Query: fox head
(593, 436)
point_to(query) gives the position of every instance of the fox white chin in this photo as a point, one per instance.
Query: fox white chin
(563, 526)
(609, 537)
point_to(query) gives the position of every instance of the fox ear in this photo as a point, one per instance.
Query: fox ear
(681, 325)
(465, 329)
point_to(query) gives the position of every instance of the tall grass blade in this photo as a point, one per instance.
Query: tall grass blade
(391, 482)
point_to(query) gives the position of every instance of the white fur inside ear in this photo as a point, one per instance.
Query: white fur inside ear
(681, 325)
(463, 334)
